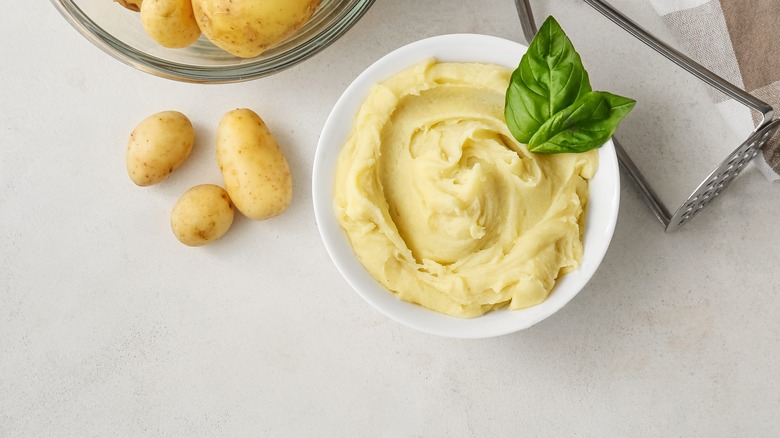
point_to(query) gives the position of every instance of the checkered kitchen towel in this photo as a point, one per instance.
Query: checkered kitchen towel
(737, 39)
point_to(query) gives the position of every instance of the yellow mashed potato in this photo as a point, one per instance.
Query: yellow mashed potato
(444, 207)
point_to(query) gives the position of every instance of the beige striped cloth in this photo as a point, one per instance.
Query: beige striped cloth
(737, 39)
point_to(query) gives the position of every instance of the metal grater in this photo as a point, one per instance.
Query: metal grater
(725, 173)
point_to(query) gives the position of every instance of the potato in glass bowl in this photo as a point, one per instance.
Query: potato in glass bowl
(119, 32)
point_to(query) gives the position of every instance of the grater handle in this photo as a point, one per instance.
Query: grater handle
(683, 61)
(651, 198)
(526, 19)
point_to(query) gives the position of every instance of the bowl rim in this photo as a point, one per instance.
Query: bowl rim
(334, 238)
(217, 74)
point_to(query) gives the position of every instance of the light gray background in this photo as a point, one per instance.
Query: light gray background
(110, 327)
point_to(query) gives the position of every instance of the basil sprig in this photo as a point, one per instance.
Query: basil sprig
(549, 103)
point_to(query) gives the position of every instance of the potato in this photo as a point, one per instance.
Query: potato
(157, 146)
(246, 28)
(256, 173)
(133, 5)
(170, 22)
(203, 214)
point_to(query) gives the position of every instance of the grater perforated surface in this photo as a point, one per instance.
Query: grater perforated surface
(723, 175)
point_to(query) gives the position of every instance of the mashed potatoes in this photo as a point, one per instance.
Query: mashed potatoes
(444, 207)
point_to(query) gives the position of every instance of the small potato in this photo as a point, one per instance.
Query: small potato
(246, 28)
(203, 214)
(133, 5)
(170, 22)
(157, 146)
(256, 173)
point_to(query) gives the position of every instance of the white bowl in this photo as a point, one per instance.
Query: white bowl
(600, 221)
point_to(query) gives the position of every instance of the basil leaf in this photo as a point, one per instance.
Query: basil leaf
(550, 77)
(586, 124)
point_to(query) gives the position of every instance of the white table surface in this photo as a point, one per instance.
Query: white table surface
(111, 327)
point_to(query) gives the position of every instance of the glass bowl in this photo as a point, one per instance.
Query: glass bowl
(118, 32)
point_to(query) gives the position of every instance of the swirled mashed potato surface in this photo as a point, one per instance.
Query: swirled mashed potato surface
(444, 207)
